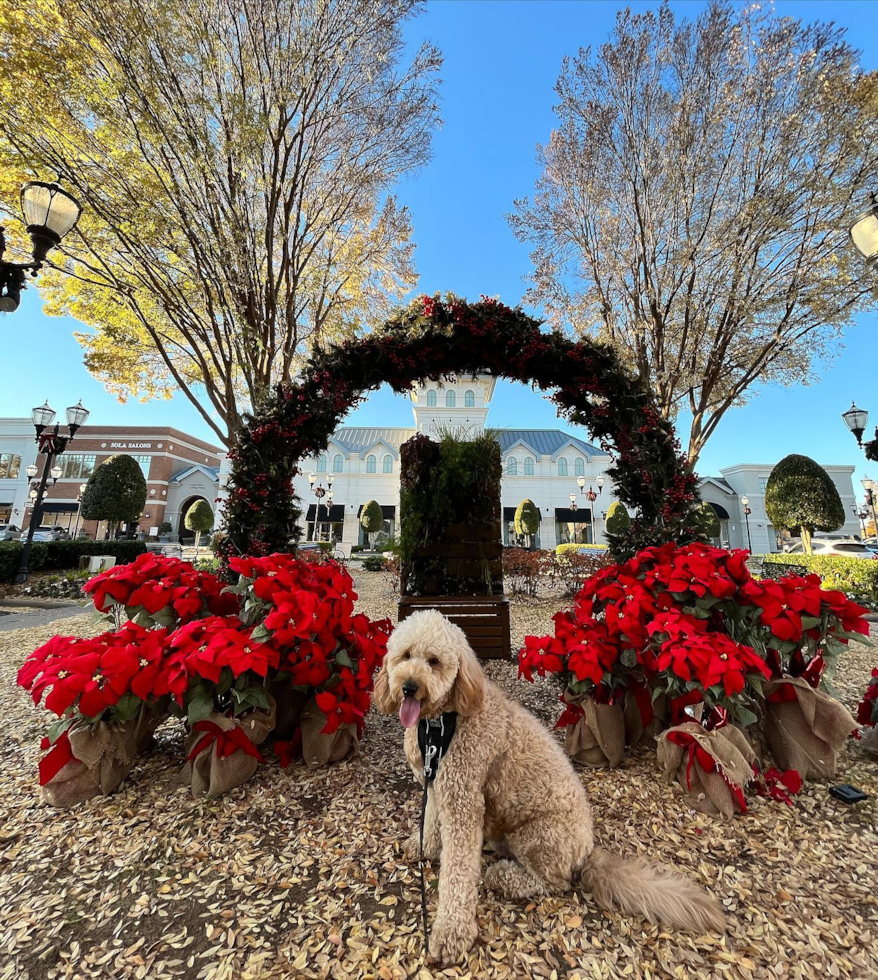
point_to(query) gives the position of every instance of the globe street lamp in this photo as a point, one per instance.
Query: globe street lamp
(51, 444)
(745, 502)
(855, 419)
(82, 487)
(864, 233)
(49, 214)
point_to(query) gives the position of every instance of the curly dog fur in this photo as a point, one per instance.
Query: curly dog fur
(505, 779)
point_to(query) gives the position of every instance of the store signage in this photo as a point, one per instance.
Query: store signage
(130, 445)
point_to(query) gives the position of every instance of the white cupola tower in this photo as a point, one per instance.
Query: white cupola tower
(460, 406)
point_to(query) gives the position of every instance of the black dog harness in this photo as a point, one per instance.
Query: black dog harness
(434, 737)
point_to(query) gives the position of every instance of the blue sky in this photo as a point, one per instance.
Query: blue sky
(502, 59)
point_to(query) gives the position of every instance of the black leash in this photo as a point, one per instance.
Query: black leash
(434, 737)
(421, 866)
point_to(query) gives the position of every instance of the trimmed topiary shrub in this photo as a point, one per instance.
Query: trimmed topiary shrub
(801, 498)
(618, 519)
(527, 520)
(708, 520)
(372, 520)
(115, 492)
(374, 563)
(199, 518)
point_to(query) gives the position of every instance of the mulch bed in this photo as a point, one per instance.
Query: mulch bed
(300, 873)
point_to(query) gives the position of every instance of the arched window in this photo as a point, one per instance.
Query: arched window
(370, 464)
(512, 466)
(579, 467)
(431, 398)
(321, 463)
(469, 399)
(562, 467)
(388, 464)
(338, 463)
(450, 399)
(528, 466)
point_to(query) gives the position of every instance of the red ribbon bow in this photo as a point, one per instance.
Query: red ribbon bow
(707, 762)
(227, 742)
(52, 763)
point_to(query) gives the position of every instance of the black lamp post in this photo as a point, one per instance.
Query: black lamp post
(870, 487)
(49, 213)
(51, 445)
(745, 501)
(319, 492)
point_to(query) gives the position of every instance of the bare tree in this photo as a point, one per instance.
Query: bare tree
(693, 201)
(234, 159)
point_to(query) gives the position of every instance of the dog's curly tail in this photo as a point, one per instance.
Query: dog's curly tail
(657, 894)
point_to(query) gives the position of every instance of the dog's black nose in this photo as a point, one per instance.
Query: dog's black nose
(409, 689)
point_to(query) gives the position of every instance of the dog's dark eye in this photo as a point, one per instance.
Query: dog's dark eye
(406, 655)
(433, 661)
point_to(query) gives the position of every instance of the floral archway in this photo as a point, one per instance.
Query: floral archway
(437, 338)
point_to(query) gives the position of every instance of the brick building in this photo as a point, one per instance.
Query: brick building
(179, 469)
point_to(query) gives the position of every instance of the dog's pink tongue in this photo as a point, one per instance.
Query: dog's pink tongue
(409, 712)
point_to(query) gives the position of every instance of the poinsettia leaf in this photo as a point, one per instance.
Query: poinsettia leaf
(127, 707)
(143, 619)
(58, 727)
(260, 633)
(343, 659)
(756, 683)
(200, 706)
(258, 697)
(225, 681)
(629, 657)
(745, 717)
(165, 617)
(826, 685)
(809, 622)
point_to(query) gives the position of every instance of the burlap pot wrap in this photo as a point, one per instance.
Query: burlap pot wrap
(714, 767)
(103, 755)
(634, 708)
(597, 739)
(319, 750)
(289, 703)
(805, 729)
(869, 742)
(222, 764)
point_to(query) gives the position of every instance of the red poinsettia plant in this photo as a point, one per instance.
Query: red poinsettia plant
(691, 622)
(867, 710)
(197, 645)
(305, 612)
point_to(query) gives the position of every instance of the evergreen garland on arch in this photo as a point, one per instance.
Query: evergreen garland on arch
(439, 338)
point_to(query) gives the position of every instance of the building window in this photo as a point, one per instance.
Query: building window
(528, 466)
(388, 464)
(321, 464)
(450, 399)
(512, 466)
(143, 462)
(10, 466)
(763, 483)
(370, 464)
(469, 399)
(338, 463)
(562, 467)
(76, 466)
(431, 398)
(579, 467)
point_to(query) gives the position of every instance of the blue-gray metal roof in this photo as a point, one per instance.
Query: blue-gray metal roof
(212, 472)
(544, 442)
(358, 440)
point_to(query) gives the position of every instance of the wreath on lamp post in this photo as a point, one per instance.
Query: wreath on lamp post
(437, 338)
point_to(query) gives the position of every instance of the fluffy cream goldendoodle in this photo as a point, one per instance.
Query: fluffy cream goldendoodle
(504, 779)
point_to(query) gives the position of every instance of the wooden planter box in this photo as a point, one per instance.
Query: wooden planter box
(484, 620)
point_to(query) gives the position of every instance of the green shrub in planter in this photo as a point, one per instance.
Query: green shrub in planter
(592, 548)
(856, 577)
(356, 548)
(618, 518)
(374, 563)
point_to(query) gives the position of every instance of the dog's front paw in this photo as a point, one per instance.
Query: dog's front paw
(451, 937)
(412, 849)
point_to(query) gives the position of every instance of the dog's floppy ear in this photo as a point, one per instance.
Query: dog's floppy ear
(468, 694)
(381, 692)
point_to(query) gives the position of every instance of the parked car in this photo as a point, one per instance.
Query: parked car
(819, 546)
(43, 533)
(9, 532)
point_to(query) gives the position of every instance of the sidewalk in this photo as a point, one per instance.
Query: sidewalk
(16, 614)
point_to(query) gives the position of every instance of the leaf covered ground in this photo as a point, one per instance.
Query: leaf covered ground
(300, 873)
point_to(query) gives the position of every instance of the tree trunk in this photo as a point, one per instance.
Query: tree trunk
(806, 540)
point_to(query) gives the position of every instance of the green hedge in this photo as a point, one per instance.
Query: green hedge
(858, 577)
(49, 555)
